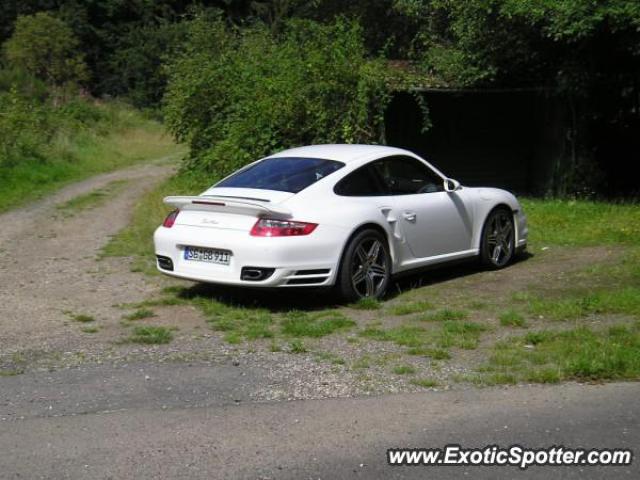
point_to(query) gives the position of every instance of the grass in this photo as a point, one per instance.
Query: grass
(582, 223)
(297, 346)
(407, 308)
(317, 324)
(465, 335)
(434, 353)
(430, 342)
(625, 300)
(445, 315)
(579, 353)
(83, 318)
(89, 330)
(367, 303)
(424, 382)
(140, 314)
(330, 357)
(90, 200)
(404, 335)
(130, 138)
(511, 318)
(404, 370)
(150, 335)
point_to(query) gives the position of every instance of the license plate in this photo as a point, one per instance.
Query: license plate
(209, 255)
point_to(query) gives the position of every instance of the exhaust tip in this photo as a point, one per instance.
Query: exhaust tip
(165, 263)
(256, 274)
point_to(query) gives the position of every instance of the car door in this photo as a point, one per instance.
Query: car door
(434, 222)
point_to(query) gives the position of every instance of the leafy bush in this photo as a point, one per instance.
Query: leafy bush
(136, 65)
(47, 48)
(25, 128)
(235, 96)
(45, 143)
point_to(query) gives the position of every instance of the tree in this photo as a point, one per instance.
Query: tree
(46, 47)
(238, 94)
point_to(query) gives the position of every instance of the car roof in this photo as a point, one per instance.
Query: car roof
(345, 153)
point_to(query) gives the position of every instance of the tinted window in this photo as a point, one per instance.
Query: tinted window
(406, 175)
(285, 174)
(363, 182)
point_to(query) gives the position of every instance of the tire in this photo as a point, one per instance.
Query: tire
(497, 248)
(365, 267)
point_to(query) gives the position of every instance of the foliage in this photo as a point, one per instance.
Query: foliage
(235, 96)
(47, 48)
(137, 62)
(514, 41)
(25, 127)
(45, 145)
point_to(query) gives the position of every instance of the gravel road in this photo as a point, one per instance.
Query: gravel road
(48, 263)
(200, 408)
(199, 422)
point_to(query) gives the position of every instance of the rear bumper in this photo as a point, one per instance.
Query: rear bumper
(296, 261)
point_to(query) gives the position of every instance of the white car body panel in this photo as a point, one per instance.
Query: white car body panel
(421, 229)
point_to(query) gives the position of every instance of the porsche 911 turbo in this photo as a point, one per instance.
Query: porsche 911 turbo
(343, 216)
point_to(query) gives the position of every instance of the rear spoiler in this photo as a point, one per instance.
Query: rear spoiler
(213, 203)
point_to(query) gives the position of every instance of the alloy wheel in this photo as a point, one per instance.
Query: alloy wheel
(500, 239)
(369, 268)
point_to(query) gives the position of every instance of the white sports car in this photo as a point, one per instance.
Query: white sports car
(349, 216)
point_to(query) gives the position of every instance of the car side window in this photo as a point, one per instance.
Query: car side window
(363, 182)
(403, 175)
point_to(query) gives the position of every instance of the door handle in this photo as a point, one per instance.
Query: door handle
(409, 216)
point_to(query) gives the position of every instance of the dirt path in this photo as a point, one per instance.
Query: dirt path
(49, 272)
(48, 267)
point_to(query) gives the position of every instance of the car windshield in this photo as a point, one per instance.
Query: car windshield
(285, 174)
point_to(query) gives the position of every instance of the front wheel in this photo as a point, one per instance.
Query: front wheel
(365, 268)
(498, 239)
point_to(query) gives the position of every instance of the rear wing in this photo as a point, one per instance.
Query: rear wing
(212, 203)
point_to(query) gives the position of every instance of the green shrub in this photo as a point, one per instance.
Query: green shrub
(237, 96)
(26, 128)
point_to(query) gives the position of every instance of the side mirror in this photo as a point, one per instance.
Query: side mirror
(451, 185)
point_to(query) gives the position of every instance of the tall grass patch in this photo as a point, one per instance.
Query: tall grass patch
(579, 353)
(582, 222)
(43, 147)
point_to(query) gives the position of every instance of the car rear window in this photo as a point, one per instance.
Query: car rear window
(284, 174)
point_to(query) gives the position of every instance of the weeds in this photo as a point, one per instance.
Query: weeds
(140, 314)
(511, 318)
(150, 335)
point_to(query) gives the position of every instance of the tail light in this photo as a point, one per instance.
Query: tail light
(267, 227)
(171, 219)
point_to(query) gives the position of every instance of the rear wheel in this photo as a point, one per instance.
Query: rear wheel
(498, 239)
(365, 268)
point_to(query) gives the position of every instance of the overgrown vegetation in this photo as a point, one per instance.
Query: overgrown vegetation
(43, 146)
(46, 47)
(310, 84)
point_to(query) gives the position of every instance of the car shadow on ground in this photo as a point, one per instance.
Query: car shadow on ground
(313, 299)
(441, 273)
